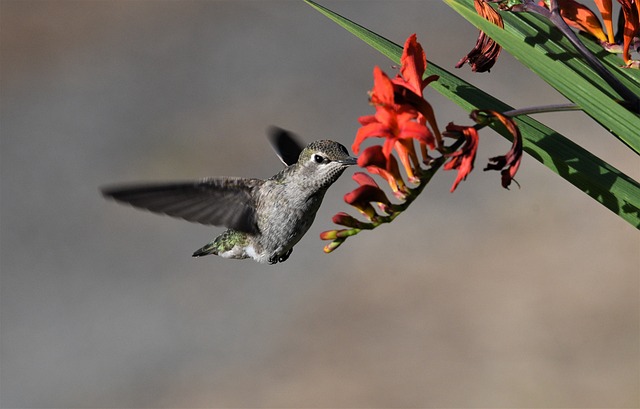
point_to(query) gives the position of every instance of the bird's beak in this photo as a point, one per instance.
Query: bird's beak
(349, 161)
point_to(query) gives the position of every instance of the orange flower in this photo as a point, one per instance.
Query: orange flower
(581, 17)
(605, 7)
(631, 28)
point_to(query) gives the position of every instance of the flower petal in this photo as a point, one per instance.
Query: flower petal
(382, 93)
(581, 17)
(463, 158)
(631, 28)
(362, 197)
(605, 7)
(406, 97)
(366, 194)
(509, 163)
(414, 63)
(347, 220)
(408, 157)
(362, 179)
(371, 130)
(374, 160)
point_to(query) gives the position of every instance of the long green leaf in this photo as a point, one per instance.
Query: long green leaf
(601, 181)
(556, 63)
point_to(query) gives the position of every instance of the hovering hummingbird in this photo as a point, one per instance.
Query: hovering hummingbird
(265, 218)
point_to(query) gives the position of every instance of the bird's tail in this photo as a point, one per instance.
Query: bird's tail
(210, 248)
(230, 244)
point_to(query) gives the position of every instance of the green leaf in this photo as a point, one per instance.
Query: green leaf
(601, 181)
(557, 63)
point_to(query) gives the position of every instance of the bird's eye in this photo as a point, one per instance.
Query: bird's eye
(318, 158)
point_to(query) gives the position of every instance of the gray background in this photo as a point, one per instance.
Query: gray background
(480, 298)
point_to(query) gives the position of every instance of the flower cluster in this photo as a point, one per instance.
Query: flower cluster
(405, 120)
(581, 17)
(402, 114)
(575, 14)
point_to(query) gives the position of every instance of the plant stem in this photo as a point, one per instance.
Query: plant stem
(542, 109)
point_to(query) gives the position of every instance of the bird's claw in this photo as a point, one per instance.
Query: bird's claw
(281, 258)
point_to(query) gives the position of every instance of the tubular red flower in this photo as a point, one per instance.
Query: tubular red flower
(391, 121)
(366, 194)
(362, 179)
(409, 84)
(509, 163)
(347, 220)
(375, 162)
(382, 92)
(413, 65)
(401, 111)
(408, 99)
(408, 157)
(362, 197)
(463, 158)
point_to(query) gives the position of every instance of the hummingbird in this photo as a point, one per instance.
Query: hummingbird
(264, 218)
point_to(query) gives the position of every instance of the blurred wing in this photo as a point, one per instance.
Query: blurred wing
(285, 144)
(220, 202)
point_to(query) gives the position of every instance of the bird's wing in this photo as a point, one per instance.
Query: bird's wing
(285, 144)
(213, 201)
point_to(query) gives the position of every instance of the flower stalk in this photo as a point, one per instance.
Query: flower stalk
(403, 119)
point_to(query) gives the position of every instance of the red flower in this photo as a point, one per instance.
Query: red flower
(391, 122)
(486, 51)
(402, 113)
(409, 84)
(413, 65)
(376, 163)
(362, 197)
(347, 220)
(509, 163)
(363, 179)
(463, 158)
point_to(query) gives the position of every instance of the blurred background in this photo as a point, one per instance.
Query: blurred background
(480, 298)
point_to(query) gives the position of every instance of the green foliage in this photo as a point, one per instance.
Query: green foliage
(553, 61)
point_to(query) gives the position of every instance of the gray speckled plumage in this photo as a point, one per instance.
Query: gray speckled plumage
(265, 218)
